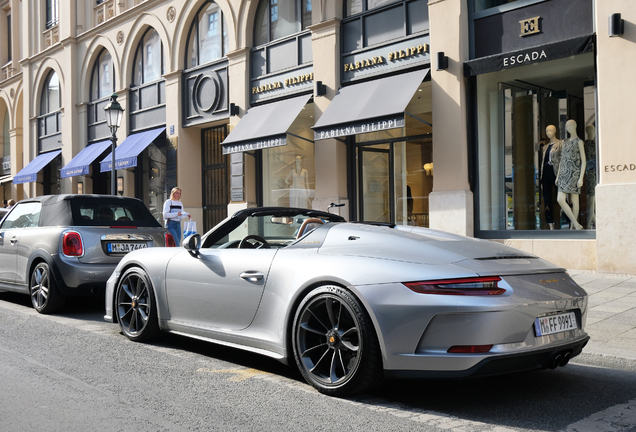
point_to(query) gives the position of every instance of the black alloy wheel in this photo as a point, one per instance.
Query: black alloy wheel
(136, 307)
(45, 297)
(335, 344)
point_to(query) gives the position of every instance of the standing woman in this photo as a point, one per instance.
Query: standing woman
(173, 213)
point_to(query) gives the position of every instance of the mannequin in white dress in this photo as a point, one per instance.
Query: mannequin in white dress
(298, 183)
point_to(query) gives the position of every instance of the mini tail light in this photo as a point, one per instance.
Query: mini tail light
(170, 240)
(479, 286)
(470, 349)
(72, 244)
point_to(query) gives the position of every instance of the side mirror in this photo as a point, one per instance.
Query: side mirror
(192, 244)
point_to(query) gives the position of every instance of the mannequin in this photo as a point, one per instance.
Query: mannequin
(570, 175)
(299, 185)
(590, 174)
(550, 158)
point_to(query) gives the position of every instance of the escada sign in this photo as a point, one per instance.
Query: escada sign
(524, 58)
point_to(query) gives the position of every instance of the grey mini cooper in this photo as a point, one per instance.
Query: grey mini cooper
(68, 245)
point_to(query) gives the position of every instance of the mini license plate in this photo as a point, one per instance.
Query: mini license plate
(555, 324)
(125, 247)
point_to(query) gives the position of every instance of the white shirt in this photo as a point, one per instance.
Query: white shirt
(171, 210)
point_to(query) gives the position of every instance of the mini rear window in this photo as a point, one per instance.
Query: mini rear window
(111, 212)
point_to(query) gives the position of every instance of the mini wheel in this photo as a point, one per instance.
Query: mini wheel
(334, 342)
(136, 307)
(45, 296)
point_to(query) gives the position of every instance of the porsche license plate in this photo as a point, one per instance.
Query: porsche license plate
(555, 324)
(125, 247)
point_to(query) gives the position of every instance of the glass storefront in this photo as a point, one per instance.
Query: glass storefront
(530, 162)
(394, 168)
(289, 171)
(155, 175)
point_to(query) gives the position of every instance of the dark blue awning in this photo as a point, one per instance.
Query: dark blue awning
(80, 164)
(126, 153)
(30, 172)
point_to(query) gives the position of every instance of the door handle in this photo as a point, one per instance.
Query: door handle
(14, 240)
(252, 276)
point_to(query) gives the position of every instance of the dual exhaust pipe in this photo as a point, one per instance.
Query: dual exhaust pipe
(561, 359)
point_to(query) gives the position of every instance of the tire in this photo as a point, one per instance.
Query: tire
(335, 345)
(45, 296)
(136, 307)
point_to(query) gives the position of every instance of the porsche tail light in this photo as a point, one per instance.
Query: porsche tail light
(72, 244)
(170, 240)
(470, 349)
(479, 286)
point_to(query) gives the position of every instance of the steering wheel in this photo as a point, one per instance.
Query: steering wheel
(245, 244)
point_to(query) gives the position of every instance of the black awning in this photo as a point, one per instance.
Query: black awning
(369, 106)
(264, 126)
(528, 56)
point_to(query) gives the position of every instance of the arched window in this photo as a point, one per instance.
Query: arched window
(103, 77)
(51, 96)
(208, 39)
(148, 59)
(276, 19)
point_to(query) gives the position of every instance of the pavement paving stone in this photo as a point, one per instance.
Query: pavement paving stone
(611, 317)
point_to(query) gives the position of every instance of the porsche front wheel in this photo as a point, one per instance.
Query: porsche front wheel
(335, 344)
(136, 307)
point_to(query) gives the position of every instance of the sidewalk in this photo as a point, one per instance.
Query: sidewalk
(611, 316)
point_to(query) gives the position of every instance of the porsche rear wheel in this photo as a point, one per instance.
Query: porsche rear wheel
(45, 296)
(335, 345)
(136, 307)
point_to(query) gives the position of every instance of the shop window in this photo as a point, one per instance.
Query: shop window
(52, 13)
(366, 25)
(103, 77)
(276, 19)
(208, 39)
(148, 64)
(156, 175)
(9, 43)
(394, 168)
(289, 172)
(528, 121)
(51, 95)
(50, 118)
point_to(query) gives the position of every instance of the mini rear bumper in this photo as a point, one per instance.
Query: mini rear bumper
(77, 279)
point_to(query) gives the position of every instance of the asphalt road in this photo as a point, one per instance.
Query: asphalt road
(75, 372)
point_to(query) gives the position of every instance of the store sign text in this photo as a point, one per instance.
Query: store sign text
(392, 56)
(524, 58)
(282, 84)
(256, 145)
(359, 129)
(620, 168)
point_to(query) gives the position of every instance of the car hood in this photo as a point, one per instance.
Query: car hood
(431, 247)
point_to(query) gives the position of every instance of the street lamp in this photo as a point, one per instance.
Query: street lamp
(114, 113)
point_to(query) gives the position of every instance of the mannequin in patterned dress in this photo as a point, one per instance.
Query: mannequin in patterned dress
(570, 176)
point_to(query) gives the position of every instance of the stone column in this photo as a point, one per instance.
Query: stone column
(331, 154)
(243, 166)
(451, 202)
(615, 129)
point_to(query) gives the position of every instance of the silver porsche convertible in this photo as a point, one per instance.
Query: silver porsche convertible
(353, 303)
